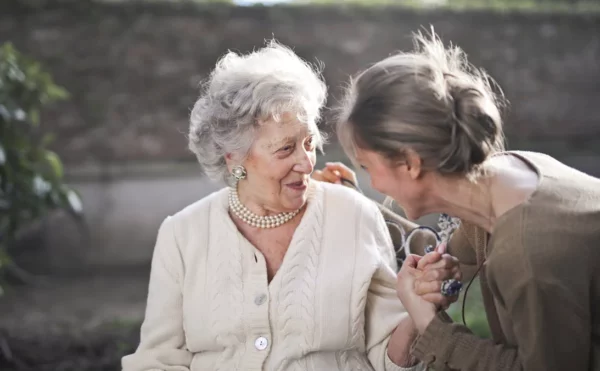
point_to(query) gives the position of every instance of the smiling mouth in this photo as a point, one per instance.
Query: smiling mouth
(297, 185)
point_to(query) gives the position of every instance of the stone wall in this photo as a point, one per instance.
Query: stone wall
(133, 70)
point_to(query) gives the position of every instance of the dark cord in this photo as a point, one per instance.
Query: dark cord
(466, 291)
(351, 183)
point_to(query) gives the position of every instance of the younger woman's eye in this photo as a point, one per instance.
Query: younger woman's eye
(363, 167)
(310, 142)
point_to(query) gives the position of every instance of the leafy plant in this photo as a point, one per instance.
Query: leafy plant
(474, 315)
(31, 176)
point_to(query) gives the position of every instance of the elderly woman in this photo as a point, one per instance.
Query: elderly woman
(275, 272)
(426, 127)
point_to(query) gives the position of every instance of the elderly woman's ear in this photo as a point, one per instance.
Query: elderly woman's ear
(230, 161)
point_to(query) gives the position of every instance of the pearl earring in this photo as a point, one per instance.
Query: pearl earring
(238, 172)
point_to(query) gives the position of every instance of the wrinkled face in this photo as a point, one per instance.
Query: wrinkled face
(279, 165)
(398, 181)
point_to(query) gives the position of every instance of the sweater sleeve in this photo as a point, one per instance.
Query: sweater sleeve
(383, 309)
(162, 339)
(548, 309)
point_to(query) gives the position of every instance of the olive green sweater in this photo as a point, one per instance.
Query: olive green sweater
(540, 282)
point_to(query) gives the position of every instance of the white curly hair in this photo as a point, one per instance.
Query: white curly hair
(245, 90)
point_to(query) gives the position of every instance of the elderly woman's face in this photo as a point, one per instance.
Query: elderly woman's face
(279, 164)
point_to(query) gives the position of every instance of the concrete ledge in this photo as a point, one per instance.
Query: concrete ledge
(125, 204)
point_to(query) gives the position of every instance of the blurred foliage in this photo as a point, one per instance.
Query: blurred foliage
(475, 316)
(31, 176)
(171, 1)
(40, 4)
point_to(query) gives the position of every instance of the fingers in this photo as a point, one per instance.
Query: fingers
(437, 256)
(411, 261)
(342, 169)
(318, 175)
(426, 285)
(429, 273)
(423, 286)
(332, 176)
(326, 176)
(441, 274)
(442, 262)
(333, 172)
(429, 258)
(441, 249)
(431, 291)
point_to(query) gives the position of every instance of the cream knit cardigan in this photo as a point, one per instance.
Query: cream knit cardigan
(331, 306)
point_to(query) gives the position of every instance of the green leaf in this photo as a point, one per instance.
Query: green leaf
(34, 117)
(57, 93)
(55, 164)
(46, 140)
(4, 258)
(74, 202)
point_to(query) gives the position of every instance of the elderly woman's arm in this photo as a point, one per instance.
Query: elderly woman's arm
(162, 341)
(388, 351)
(388, 328)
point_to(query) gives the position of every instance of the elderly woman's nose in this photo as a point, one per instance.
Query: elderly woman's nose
(305, 162)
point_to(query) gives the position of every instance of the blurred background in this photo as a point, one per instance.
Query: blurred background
(94, 103)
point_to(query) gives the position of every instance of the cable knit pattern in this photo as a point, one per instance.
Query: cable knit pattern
(298, 287)
(330, 307)
(226, 297)
(351, 360)
(360, 296)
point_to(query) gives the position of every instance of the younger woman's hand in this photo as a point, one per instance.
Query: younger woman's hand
(333, 172)
(434, 268)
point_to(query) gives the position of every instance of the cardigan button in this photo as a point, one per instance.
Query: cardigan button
(261, 343)
(260, 299)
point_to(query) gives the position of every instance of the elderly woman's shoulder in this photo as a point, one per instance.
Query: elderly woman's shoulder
(202, 207)
(346, 197)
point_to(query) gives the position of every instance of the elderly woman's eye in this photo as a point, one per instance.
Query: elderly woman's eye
(287, 148)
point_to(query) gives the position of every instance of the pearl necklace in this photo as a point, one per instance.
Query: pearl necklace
(259, 221)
